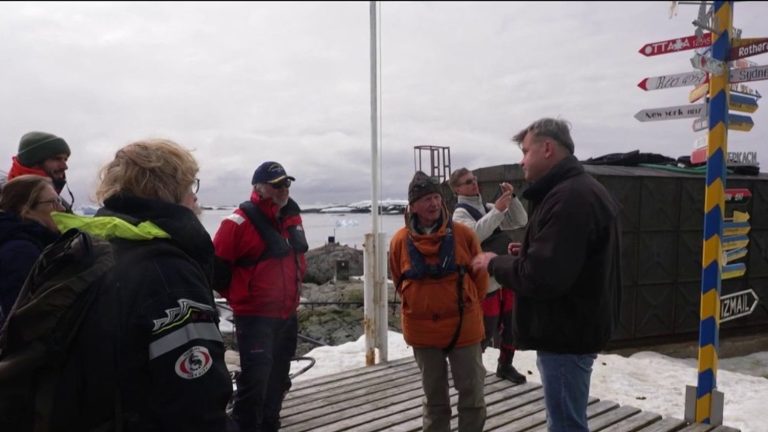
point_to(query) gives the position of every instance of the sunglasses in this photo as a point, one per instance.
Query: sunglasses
(469, 181)
(282, 184)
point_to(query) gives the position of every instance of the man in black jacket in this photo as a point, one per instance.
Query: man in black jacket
(567, 272)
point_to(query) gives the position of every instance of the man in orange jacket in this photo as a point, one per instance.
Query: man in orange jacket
(442, 315)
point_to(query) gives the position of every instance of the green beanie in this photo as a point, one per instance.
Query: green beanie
(35, 147)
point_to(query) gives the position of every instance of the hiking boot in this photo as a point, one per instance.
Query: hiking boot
(509, 373)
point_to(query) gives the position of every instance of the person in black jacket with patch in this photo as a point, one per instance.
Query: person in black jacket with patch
(566, 273)
(149, 356)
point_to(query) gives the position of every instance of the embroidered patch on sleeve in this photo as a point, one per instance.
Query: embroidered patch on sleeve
(194, 363)
(236, 218)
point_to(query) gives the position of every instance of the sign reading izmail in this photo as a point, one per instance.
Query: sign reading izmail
(737, 305)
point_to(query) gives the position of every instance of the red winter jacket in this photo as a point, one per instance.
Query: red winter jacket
(271, 287)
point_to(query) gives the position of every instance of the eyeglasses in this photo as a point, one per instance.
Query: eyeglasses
(58, 201)
(196, 186)
(282, 184)
(468, 181)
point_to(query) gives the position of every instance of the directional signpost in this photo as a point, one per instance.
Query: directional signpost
(720, 66)
(737, 305)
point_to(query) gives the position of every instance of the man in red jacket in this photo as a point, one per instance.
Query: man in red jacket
(263, 243)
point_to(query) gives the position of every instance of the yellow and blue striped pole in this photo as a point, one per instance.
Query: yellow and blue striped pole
(714, 209)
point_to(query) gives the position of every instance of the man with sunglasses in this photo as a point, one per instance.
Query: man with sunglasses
(263, 244)
(489, 221)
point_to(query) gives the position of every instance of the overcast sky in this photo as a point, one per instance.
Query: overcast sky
(241, 83)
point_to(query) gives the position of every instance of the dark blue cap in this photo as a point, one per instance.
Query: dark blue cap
(270, 172)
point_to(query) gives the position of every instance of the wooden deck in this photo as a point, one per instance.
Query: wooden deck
(388, 398)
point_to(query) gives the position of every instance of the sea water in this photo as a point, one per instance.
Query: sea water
(347, 228)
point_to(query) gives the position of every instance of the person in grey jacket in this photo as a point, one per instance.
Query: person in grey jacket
(488, 220)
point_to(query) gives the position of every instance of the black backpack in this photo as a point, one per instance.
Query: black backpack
(46, 317)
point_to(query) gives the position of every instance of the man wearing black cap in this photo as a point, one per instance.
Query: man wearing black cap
(263, 244)
(46, 155)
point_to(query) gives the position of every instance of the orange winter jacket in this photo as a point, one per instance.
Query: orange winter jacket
(430, 311)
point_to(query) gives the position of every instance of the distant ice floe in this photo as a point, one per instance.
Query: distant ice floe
(341, 223)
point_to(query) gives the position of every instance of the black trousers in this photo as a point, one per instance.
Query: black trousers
(266, 346)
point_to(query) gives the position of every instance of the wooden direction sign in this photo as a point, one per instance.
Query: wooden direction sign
(737, 305)
(735, 254)
(736, 228)
(738, 196)
(676, 45)
(740, 123)
(748, 47)
(746, 91)
(698, 92)
(701, 124)
(735, 122)
(737, 216)
(672, 81)
(741, 64)
(755, 73)
(730, 271)
(735, 242)
(708, 64)
(671, 113)
(742, 103)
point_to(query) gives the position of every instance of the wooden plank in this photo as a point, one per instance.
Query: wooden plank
(388, 397)
(344, 388)
(350, 418)
(723, 428)
(349, 383)
(319, 407)
(606, 419)
(697, 427)
(634, 423)
(593, 410)
(669, 424)
(355, 372)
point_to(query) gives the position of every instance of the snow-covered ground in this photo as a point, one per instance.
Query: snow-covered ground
(646, 380)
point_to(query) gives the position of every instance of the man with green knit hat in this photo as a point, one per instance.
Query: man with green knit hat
(43, 154)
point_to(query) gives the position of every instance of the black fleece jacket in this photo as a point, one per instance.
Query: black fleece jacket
(567, 276)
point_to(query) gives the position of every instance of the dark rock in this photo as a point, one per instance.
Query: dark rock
(321, 262)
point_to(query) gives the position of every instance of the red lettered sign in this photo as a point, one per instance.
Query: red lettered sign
(748, 48)
(676, 45)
